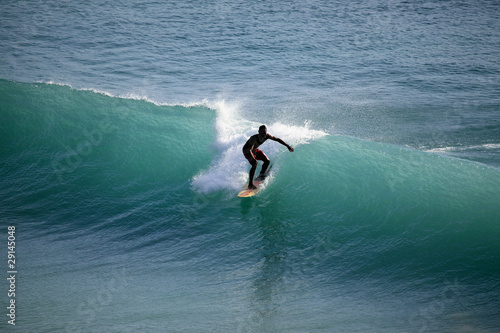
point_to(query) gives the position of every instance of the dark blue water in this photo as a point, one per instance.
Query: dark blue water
(121, 135)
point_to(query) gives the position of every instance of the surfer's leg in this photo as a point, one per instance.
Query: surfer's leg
(259, 155)
(252, 173)
(264, 167)
(251, 159)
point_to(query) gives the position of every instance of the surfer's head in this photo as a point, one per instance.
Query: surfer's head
(262, 132)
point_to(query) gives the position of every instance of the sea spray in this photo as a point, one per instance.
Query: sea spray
(229, 168)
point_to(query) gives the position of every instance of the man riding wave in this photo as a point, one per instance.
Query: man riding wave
(253, 153)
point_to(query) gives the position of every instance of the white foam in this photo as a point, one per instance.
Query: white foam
(229, 168)
(464, 148)
(131, 96)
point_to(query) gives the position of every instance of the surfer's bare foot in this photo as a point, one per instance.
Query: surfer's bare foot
(252, 187)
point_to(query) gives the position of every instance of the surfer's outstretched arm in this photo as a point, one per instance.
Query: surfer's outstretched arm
(290, 148)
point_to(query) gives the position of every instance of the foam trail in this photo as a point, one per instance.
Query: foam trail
(464, 148)
(229, 168)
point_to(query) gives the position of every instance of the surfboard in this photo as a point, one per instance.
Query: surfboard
(245, 192)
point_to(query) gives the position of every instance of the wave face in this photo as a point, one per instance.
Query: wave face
(128, 183)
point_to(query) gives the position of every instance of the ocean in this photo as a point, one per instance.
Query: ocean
(122, 124)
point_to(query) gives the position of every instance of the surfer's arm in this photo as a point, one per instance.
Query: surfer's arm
(290, 148)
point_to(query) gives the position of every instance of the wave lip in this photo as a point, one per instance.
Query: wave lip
(487, 146)
(488, 153)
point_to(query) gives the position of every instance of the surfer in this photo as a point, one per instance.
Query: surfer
(253, 153)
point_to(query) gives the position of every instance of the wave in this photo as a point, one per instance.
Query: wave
(79, 161)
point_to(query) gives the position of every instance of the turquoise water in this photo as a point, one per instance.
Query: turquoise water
(122, 127)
